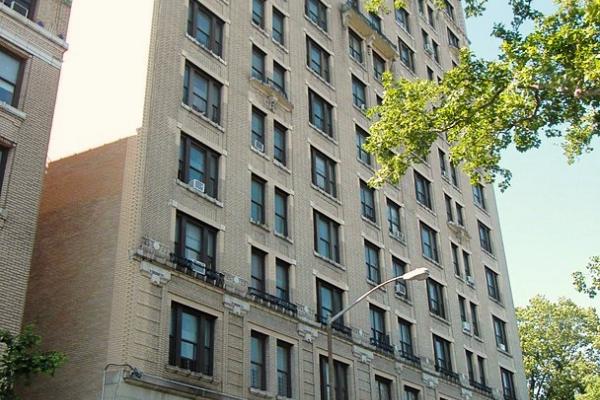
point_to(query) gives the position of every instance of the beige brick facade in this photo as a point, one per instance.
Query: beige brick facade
(36, 44)
(115, 275)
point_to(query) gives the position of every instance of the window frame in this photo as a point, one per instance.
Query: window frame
(260, 20)
(332, 241)
(278, 35)
(361, 138)
(214, 88)
(319, 65)
(423, 190)
(443, 358)
(206, 231)
(384, 388)
(328, 176)
(284, 373)
(337, 301)
(500, 333)
(493, 286)
(429, 243)
(378, 61)
(216, 27)
(258, 266)
(282, 283)
(355, 46)
(281, 212)
(367, 202)
(258, 71)
(405, 330)
(326, 120)
(258, 206)
(479, 196)
(320, 19)
(394, 218)
(372, 262)
(359, 93)
(340, 371)
(508, 384)
(280, 153)
(435, 298)
(210, 171)
(4, 154)
(485, 237)
(409, 60)
(17, 84)
(404, 21)
(257, 338)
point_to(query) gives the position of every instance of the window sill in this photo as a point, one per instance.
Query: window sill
(281, 46)
(260, 29)
(13, 110)
(370, 222)
(438, 318)
(362, 65)
(329, 261)
(200, 194)
(327, 195)
(432, 261)
(362, 109)
(186, 372)
(406, 299)
(403, 29)
(261, 393)
(279, 165)
(260, 153)
(480, 208)
(424, 207)
(484, 251)
(324, 134)
(283, 237)
(400, 238)
(313, 23)
(365, 164)
(504, 352)
(202, 117)
(319, 77)
(493, 300)
(206, 49)
(261, 225)
(373, 283)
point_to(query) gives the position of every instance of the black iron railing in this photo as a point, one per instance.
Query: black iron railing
(480, 387)
(448, 374)
(193, 268)
(337, 325)
(382, 343)
(273, 301)
(409, 357)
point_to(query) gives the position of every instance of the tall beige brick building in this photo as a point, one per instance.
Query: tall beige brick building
(32, 45)
(199, 258)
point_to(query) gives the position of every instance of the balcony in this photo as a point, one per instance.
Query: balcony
(272, 301)
(383, 344)
(271, 89)
(480, 387)
(197, 270)
(362, 24)
(448, 374)
(337, 326)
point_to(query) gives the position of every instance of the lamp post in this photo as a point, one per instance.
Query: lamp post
(418, 274)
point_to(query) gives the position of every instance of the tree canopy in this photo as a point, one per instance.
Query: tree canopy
(561, 349)
(545, 83)
(589, 283)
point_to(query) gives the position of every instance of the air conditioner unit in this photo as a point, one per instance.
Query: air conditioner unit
(18, 7)
(428, 48)
(198, 267)
(258, 145)
(470, 280)
(363, 107)
(198, 185)
(466, 326)
(400, 289)
(502, 346)
(396, 232)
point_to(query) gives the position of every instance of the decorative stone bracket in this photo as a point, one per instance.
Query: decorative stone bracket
(364, 356)
(158, 276)
(237, 306)
(307, 333)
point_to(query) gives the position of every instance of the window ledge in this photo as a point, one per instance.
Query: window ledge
(478, 338)
(200, 194)
(34, 26)
(361, 109)
(499, 302)
(327, 195)
(324, 134)
(406, 299)
(206, 49)
(479, 207)
(506, 353)
(281, 47)
(13, 110)
(202, 117)
(403, 29)
(3, 214)
(329, 261)
(313, 23)
(372, 223)
(484, 251)
(319, 77)
(373, 283)
(362, 65)
(260, 29)
(260, 153)
(429, 210)
(186, 372)
(278, 397)
(400, 238)
(440, 319)
(261, 225)
(369, 166)
(261, 393)
(283, 237)
(279, 165)
(432, 261)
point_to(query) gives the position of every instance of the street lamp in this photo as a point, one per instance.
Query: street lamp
(418, 274)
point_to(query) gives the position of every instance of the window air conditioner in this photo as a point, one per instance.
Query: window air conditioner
(198, 185)
(428, 48)
(400, 289)
(502, 346)
(258, 145)
(466, 326)
(21, 9)
(198, 267)
(470, 280)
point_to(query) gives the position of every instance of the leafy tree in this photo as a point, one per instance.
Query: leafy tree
(561, 349)
(591, 287)
(592, 389)
(20, 358)
(545, 83)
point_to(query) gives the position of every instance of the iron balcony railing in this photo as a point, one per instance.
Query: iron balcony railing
(409, 357)
(337, 325)
(448, 374)
(192, 268)
(480, 387)
(273, 301)
(382, 343)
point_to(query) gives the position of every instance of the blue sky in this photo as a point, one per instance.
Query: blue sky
(550, 216)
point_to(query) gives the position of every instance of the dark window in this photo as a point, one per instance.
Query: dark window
(410, 393)
(430, 16)
(279, 77)
(202, 93)
(479, 196)
(474, 319)
(23, 7)
(281, 212)
(258, 129)
(341, 379)
(449, 212)
(191, 339)
(430, 75)
(278, 27)
(508, 385)
(258, 366)
(316, 11)
(462, 306)
(258, 63)
(257, 201)
(205, 27)
(323, 172)
(443, 160)
(403, 19)
(257, 269)
(455, 261)
(485, 237)
(321, 113)
(429, 243)
(492, 284)
(375, 21)
(449, 9)
(367, 201)
(3, 159)
(421, 6)
(317, 59)
(196, 162)
(280, 143)
(436, 51)
(454, 174)
(481, 367)
(407, 55)
(399, 268)
(355, 46)
(500, 333)
(423, 190)
(470, 367)
(372, 262)
(406, 340)
(441, 350)
(195, 241)
(361, 139)
(326, 237)
(329, 301)
(394, 226)
(460, 220)
(453, 39)
(378, 66)
(384, 388)
(467, 263)
(282, 280)
(378, 332)
(284, 369)
(435, 296)
(258, 12)
(359, 93)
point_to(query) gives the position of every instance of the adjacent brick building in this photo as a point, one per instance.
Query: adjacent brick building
(199, 258)
(32, 45)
